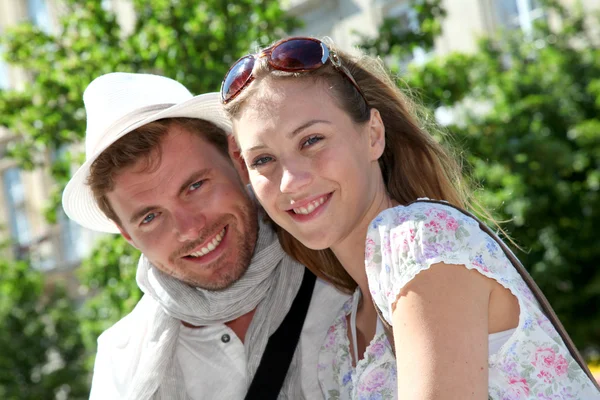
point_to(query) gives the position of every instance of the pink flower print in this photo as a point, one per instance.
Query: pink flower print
(369, 248)
(545, 375)
(413, 234)
(405, 247)
(452, 224)
(544, 358)
(387, 247)
(441, 214)
(331, 330)
(433, 226)
(561, 365)
(549, 364)
(518, 388)
(330, 339)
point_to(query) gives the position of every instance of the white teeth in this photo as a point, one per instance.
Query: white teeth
(311, 206)
(213, 244)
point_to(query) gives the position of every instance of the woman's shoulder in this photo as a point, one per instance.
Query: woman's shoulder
(405, 240)
(426, 219)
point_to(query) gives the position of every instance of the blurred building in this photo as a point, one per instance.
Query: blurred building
(23, 194)
(24, 232)
(466, 20)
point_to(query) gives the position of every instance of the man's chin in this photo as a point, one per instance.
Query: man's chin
(218, 281)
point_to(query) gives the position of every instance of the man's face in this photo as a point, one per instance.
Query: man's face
(188, 211)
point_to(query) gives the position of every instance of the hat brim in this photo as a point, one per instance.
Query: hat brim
(78, 200)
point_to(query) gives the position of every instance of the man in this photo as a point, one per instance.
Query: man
(216, 283)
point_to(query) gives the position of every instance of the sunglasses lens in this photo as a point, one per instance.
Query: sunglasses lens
(237, 77)
(297, 54)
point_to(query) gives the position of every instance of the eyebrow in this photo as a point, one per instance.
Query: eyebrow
(307, 125)
(140, 213)
(296, 131)
(194, 177)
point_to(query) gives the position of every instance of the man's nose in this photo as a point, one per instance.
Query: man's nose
(188, 224)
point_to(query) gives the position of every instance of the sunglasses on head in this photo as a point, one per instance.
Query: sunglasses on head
(298, 54)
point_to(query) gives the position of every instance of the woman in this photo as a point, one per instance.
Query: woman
(335, 155)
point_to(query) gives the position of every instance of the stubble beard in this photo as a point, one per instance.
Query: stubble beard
(245, 231)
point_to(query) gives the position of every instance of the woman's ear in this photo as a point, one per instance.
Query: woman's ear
(376, 135)
(238, 161)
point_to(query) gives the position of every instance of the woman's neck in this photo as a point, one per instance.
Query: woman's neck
(351, 251)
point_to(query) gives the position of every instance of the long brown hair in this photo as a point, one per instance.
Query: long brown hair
(413, 163)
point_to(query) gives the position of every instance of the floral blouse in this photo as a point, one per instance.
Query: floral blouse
(533, 363)
(374, 376)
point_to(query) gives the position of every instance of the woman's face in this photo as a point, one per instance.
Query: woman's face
(312, 168)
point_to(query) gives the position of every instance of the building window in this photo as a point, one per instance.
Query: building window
(72, 247)
(519, 13)
(4, 77)
(38, 13)
(69, 235)
(17, 213)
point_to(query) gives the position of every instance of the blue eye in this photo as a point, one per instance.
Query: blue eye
(261, 161)
(196, 185)
(312, 140)
(148, 218)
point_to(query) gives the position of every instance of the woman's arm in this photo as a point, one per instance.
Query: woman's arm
(440, 324)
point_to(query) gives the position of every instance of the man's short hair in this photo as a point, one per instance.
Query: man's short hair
(141, 144)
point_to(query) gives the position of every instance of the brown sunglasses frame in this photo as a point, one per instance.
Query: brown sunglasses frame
(327, 55)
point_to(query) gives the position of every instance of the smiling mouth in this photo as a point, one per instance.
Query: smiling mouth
(310, 207)
(210, 246)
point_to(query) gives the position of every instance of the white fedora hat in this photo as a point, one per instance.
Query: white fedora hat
(116, 104)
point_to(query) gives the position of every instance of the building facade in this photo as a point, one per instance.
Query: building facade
(24, 195)
(466, 20)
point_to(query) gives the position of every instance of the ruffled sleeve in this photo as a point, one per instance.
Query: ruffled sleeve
(405, 240)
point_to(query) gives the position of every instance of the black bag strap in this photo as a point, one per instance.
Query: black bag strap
(546, 307)
(276, 359)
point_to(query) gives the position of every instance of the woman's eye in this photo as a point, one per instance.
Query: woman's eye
(312, 140)
(148, 218)
(261, 161)
(196, 185)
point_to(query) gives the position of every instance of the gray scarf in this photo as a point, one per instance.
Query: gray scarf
(269, 285)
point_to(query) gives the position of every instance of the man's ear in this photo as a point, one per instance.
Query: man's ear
(238, 161)
(376, 135)
(126, 236)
